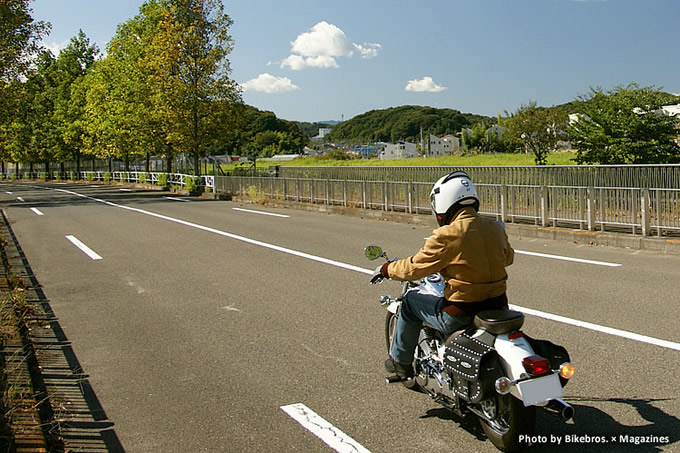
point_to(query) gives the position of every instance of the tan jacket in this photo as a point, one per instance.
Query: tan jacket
(471, 254)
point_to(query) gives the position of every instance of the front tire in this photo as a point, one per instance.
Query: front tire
(390, 325)
(506, 418)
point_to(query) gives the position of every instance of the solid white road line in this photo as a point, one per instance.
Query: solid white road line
(20, 199)
(328, 433)
(176, 199)
(608, 330)
(37, 211)
(125, 190)
(567, 258)
(598, 328)
(84, 248)
(260, 212)
(9, 193)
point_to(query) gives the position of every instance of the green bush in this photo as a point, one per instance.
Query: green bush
(73, 176)
(107, 177)
(90, 176)
(141, 177)
(43, 176)
(123, 177)
(162, 180)
(190, 185)
(13, 176)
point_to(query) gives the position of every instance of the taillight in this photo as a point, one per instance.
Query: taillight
(536, 365)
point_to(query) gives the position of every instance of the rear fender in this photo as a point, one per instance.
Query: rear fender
(511, 354)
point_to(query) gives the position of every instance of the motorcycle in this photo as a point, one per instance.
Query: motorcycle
(490, 369)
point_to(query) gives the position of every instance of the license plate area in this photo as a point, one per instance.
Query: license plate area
(541, 389)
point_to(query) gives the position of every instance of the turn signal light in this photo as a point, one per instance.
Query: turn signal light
(567, 370)
(536, 365)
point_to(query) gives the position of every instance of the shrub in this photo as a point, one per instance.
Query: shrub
(162, 180)
(43, 176)
(190, 185)
(90, 176)
(73, 176)
(123, 177)
(107, 177)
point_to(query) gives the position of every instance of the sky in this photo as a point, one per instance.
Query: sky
(327, 60)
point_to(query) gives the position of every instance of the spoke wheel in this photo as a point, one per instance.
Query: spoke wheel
(506, 418)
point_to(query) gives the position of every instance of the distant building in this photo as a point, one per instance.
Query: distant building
(323, 131)
(400, 150)
(444, 146)
(455, 142)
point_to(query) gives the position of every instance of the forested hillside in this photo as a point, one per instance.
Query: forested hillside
(404, 123)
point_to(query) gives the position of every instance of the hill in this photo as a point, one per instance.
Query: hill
(405, 123)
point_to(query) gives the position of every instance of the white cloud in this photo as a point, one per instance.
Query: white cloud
(368, 50)
(54, 47)
(319, 48)
(297, 62)
(267, 83)
(426, 84)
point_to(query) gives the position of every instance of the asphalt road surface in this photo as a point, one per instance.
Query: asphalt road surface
(198, 321)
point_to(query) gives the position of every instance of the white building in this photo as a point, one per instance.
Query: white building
(436, 147)
(455, 143)
(399, 150)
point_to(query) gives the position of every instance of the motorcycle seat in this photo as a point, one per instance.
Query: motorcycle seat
(499, 322)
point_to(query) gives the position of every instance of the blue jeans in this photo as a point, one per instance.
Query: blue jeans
(417, 308)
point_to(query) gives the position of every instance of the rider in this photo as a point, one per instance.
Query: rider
(469, 251)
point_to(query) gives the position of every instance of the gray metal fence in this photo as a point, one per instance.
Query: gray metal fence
(660, 176)
(643, 211)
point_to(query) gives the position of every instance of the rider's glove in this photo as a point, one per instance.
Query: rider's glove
(379, 274)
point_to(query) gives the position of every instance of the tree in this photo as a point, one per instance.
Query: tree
(536, 129)
(19, 38)
(201, 72)
(623, 126)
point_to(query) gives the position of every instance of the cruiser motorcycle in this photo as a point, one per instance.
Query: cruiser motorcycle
(490, 369)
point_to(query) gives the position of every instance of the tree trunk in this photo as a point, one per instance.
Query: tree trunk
(197, 165)
(77, 167)
(148, 162)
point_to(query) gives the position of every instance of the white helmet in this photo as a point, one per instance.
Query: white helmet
(450, 194)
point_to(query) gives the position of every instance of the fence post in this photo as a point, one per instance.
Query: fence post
(385, 193)
(409, 188)
(644, 201)
(344, 192)
(590, 193)
(504, 203)
(544, 206)
(363, 194)
(328, 198)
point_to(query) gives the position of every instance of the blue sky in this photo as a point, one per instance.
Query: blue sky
(319, 60)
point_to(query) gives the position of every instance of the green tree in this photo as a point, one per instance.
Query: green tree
(536, 129)
(623, 126)
(19, 38)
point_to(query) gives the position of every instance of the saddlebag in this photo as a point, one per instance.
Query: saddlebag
(556, 354)
(473, 366)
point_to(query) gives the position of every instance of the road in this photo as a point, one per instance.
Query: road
(198, 320)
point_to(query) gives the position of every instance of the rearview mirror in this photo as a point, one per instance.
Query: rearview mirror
(373, 252)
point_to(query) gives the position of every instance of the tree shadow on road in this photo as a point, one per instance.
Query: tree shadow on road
(75, 414)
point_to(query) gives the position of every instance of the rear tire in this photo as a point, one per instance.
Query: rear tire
(508, 418)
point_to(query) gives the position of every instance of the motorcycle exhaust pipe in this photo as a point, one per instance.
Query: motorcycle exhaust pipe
(560, 408)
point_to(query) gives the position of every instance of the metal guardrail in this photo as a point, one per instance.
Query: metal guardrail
(179, 179)
(594, 208)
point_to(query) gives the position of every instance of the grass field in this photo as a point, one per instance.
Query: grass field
(562, 158)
